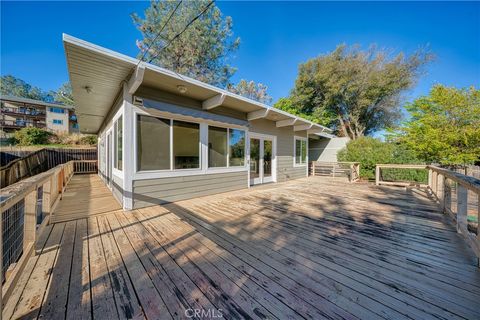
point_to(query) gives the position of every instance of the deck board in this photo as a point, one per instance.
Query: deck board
(85, 195)
(313, 248)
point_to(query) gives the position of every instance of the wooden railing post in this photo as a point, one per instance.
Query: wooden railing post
(47, 197)
(377, 175)
(30, 222)
(430, 173)
(447, 202)
(313, 168)
(462, 195)
(440, 191)
(434, 182)
(333, 170)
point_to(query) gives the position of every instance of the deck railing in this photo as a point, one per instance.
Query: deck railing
(43, 160)
(336, 169)
(26, 207)
(457, 194)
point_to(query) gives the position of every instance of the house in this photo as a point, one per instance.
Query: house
(17, 113)
(164, 137)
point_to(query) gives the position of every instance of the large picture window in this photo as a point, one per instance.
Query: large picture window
(186, 145)
(217, 147)
(153, 143)
(118, 154)
(236, 148)
(300, 151)
(174, 145)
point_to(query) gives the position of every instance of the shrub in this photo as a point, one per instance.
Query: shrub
(370, 152)
(32, 136)
(89, 139)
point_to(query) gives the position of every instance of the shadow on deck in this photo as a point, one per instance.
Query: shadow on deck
(312, 248)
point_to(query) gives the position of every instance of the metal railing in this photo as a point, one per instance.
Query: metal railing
(22, 124)
(351, 170)
(457, 194)
(26, 207)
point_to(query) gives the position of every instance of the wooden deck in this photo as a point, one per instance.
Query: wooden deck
(85, 195)
(313, 248)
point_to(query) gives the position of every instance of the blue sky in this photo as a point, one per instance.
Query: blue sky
(276, 36)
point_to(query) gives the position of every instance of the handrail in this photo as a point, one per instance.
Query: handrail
(353, 167)
(439, 187)
(379, 167)
(23, 198)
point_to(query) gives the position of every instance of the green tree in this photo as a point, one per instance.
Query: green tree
(251, 90)
(201, 52)
(286, 104)
(444, 126)
(359, 91)
(371, 151)
(64, 94)
(13, 86)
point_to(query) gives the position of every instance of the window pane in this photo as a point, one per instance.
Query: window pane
(298, 151)
(237, 148)
(119, 145)
(304, 151)
(186, 141)
(217, 147)
(153, 143)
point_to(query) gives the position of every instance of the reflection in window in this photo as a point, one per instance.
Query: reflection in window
(153, 143)
(236, 148)
(186, 145)
(118, 129)
(300, 151)
(217, 147)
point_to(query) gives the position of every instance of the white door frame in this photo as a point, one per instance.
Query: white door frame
(262, 137)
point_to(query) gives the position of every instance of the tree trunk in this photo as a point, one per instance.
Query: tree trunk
(342, 126)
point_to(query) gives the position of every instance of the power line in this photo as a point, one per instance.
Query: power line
(181, 32)
(160, 32)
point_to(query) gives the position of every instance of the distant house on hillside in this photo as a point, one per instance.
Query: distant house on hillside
(17, 113)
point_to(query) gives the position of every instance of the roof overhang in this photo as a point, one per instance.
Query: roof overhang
(97, 76)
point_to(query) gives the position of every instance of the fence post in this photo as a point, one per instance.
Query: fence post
(440, 191)
(30, 222)
(313, 168)
(377, 175)
(430, 174)
(448, 196)
(47, 197)
(462, 195)
(333, 170)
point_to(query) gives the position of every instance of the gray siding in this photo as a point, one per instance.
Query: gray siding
(325, 149)
(117, 189)
(157, 191)
(285, 148)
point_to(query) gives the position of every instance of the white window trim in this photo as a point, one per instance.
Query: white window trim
(116, 172)
(156, 174)
(295, 164)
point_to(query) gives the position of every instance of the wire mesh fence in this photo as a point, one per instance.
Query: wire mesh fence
(12, 233)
